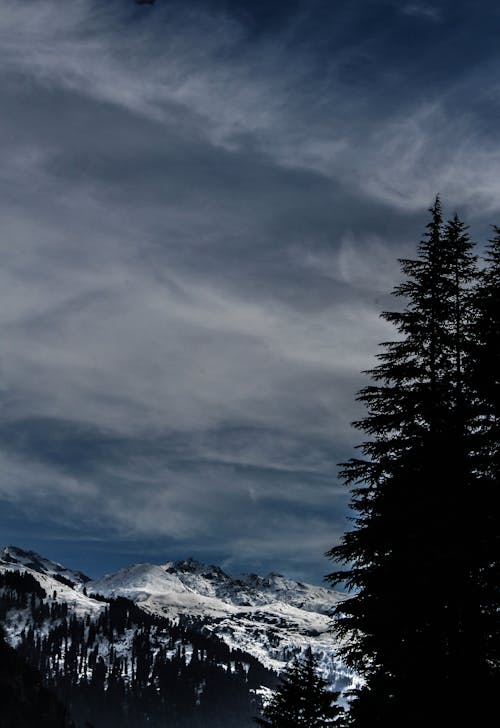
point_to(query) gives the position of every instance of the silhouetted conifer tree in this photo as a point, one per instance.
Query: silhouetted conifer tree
(302, 699)
(485, 374)
(412, 558)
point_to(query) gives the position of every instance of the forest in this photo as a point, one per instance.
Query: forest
(173, 675)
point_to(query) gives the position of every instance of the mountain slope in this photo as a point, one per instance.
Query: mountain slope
(55, 580)
(125, 666)
(270, 618)
(18, 557)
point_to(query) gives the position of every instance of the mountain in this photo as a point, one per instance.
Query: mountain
(272, 618)
(206, 643)
(62, 584)
(18, 557)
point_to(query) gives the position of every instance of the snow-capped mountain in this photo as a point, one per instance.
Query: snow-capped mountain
(271, 618)
(56, 580)
(193, 587)
(110, 663)
(18, 557)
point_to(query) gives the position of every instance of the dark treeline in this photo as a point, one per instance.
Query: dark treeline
(24, 701)
(128, 667)
(423, 558)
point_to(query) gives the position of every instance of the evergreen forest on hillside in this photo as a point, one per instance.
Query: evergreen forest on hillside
(175, 675)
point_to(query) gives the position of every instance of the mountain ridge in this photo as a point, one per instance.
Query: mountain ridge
(33, 560)
(272, 618)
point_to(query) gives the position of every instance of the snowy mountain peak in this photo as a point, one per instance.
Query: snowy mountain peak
(139, 582)
(192, 566)
(272, 618)
(192, 587)
(13, 555)
(251, 589)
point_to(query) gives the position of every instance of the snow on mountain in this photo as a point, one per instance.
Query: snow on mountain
(272, 618)
(251, 589)
(194, 588)
(55, 579)
(156, 590)
(18, 557)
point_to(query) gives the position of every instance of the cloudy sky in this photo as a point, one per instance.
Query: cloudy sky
(201, 208)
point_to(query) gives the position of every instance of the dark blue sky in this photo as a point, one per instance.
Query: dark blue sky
(201, 208)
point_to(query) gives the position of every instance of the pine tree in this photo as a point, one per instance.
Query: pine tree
(302, 699)
(410, 558)
(485, 374)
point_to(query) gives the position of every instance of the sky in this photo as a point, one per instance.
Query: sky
(201, 209)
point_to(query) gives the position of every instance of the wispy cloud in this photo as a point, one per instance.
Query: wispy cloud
(199, 226)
